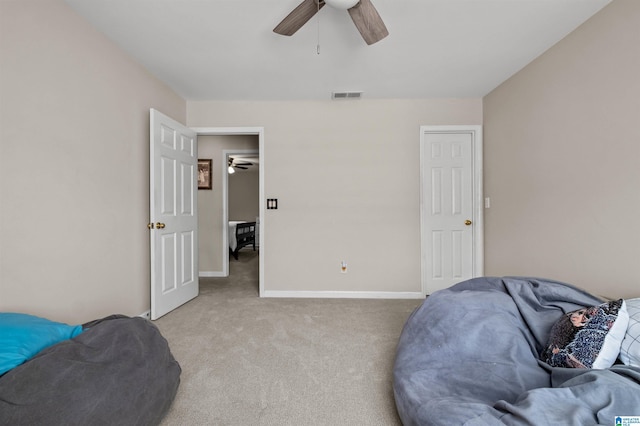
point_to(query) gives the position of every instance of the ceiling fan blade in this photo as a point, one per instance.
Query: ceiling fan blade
(243, 164)
(368, 22)
(240, 167)
(298, 17)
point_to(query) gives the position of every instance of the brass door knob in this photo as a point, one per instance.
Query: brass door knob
(467, 222)
(160, 225)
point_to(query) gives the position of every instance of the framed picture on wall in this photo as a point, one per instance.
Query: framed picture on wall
(204, 174)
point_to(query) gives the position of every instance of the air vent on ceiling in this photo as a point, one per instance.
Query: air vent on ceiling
(346, 95)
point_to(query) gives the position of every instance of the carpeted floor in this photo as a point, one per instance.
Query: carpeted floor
(252, 361)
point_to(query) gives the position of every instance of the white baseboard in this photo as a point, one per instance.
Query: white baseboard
(145, 314)
(345, 294)
(214, 274)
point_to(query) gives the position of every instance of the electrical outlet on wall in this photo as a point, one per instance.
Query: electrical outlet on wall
(343, 267)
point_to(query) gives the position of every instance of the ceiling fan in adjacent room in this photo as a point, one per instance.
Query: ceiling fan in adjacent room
(362, 12)
(235, 163)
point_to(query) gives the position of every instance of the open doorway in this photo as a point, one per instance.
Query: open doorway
(242, 200)
(219, 145)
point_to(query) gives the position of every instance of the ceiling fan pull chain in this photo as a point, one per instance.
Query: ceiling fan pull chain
(318, 20)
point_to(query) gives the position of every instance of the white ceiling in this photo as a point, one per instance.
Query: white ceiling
(226, 49)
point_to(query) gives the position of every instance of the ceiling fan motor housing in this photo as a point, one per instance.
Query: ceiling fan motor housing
(342, 4)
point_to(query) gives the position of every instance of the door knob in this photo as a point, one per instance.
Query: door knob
(160, 225)
(467, 222)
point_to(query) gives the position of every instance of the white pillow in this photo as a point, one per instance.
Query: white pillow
(630, 349)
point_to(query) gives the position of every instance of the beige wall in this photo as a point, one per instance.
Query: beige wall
(210, 203)
(244, 196)
(74, 166)
(562, 146)
(347, 178)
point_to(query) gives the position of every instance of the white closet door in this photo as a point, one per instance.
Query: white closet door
(447, 213)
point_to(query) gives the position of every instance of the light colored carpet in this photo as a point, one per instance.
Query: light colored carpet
(252, 361)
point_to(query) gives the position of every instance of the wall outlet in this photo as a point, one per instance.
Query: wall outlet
(343, 267)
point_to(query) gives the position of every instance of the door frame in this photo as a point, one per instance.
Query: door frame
(239, 131)
(478, 206)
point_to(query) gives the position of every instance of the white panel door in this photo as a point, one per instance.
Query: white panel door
(448, 209)
(173, 214)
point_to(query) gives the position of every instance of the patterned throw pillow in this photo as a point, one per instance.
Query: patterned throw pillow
(630, 349)
(589, 337)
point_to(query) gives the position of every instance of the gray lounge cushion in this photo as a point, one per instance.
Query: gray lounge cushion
(119, 371)
(470, 354)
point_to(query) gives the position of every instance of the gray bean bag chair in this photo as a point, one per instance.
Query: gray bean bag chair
(118, 371)
(471, 355)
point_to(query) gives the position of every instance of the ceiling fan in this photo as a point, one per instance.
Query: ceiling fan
(233, 164)
(362, 12)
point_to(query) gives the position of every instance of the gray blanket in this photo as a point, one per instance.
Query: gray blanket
(119, 371)
(469, 355)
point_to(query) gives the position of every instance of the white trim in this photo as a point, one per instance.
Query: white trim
(345, 294)
(230, 131)
(212, 274)
(478, 204)
(225, 131)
